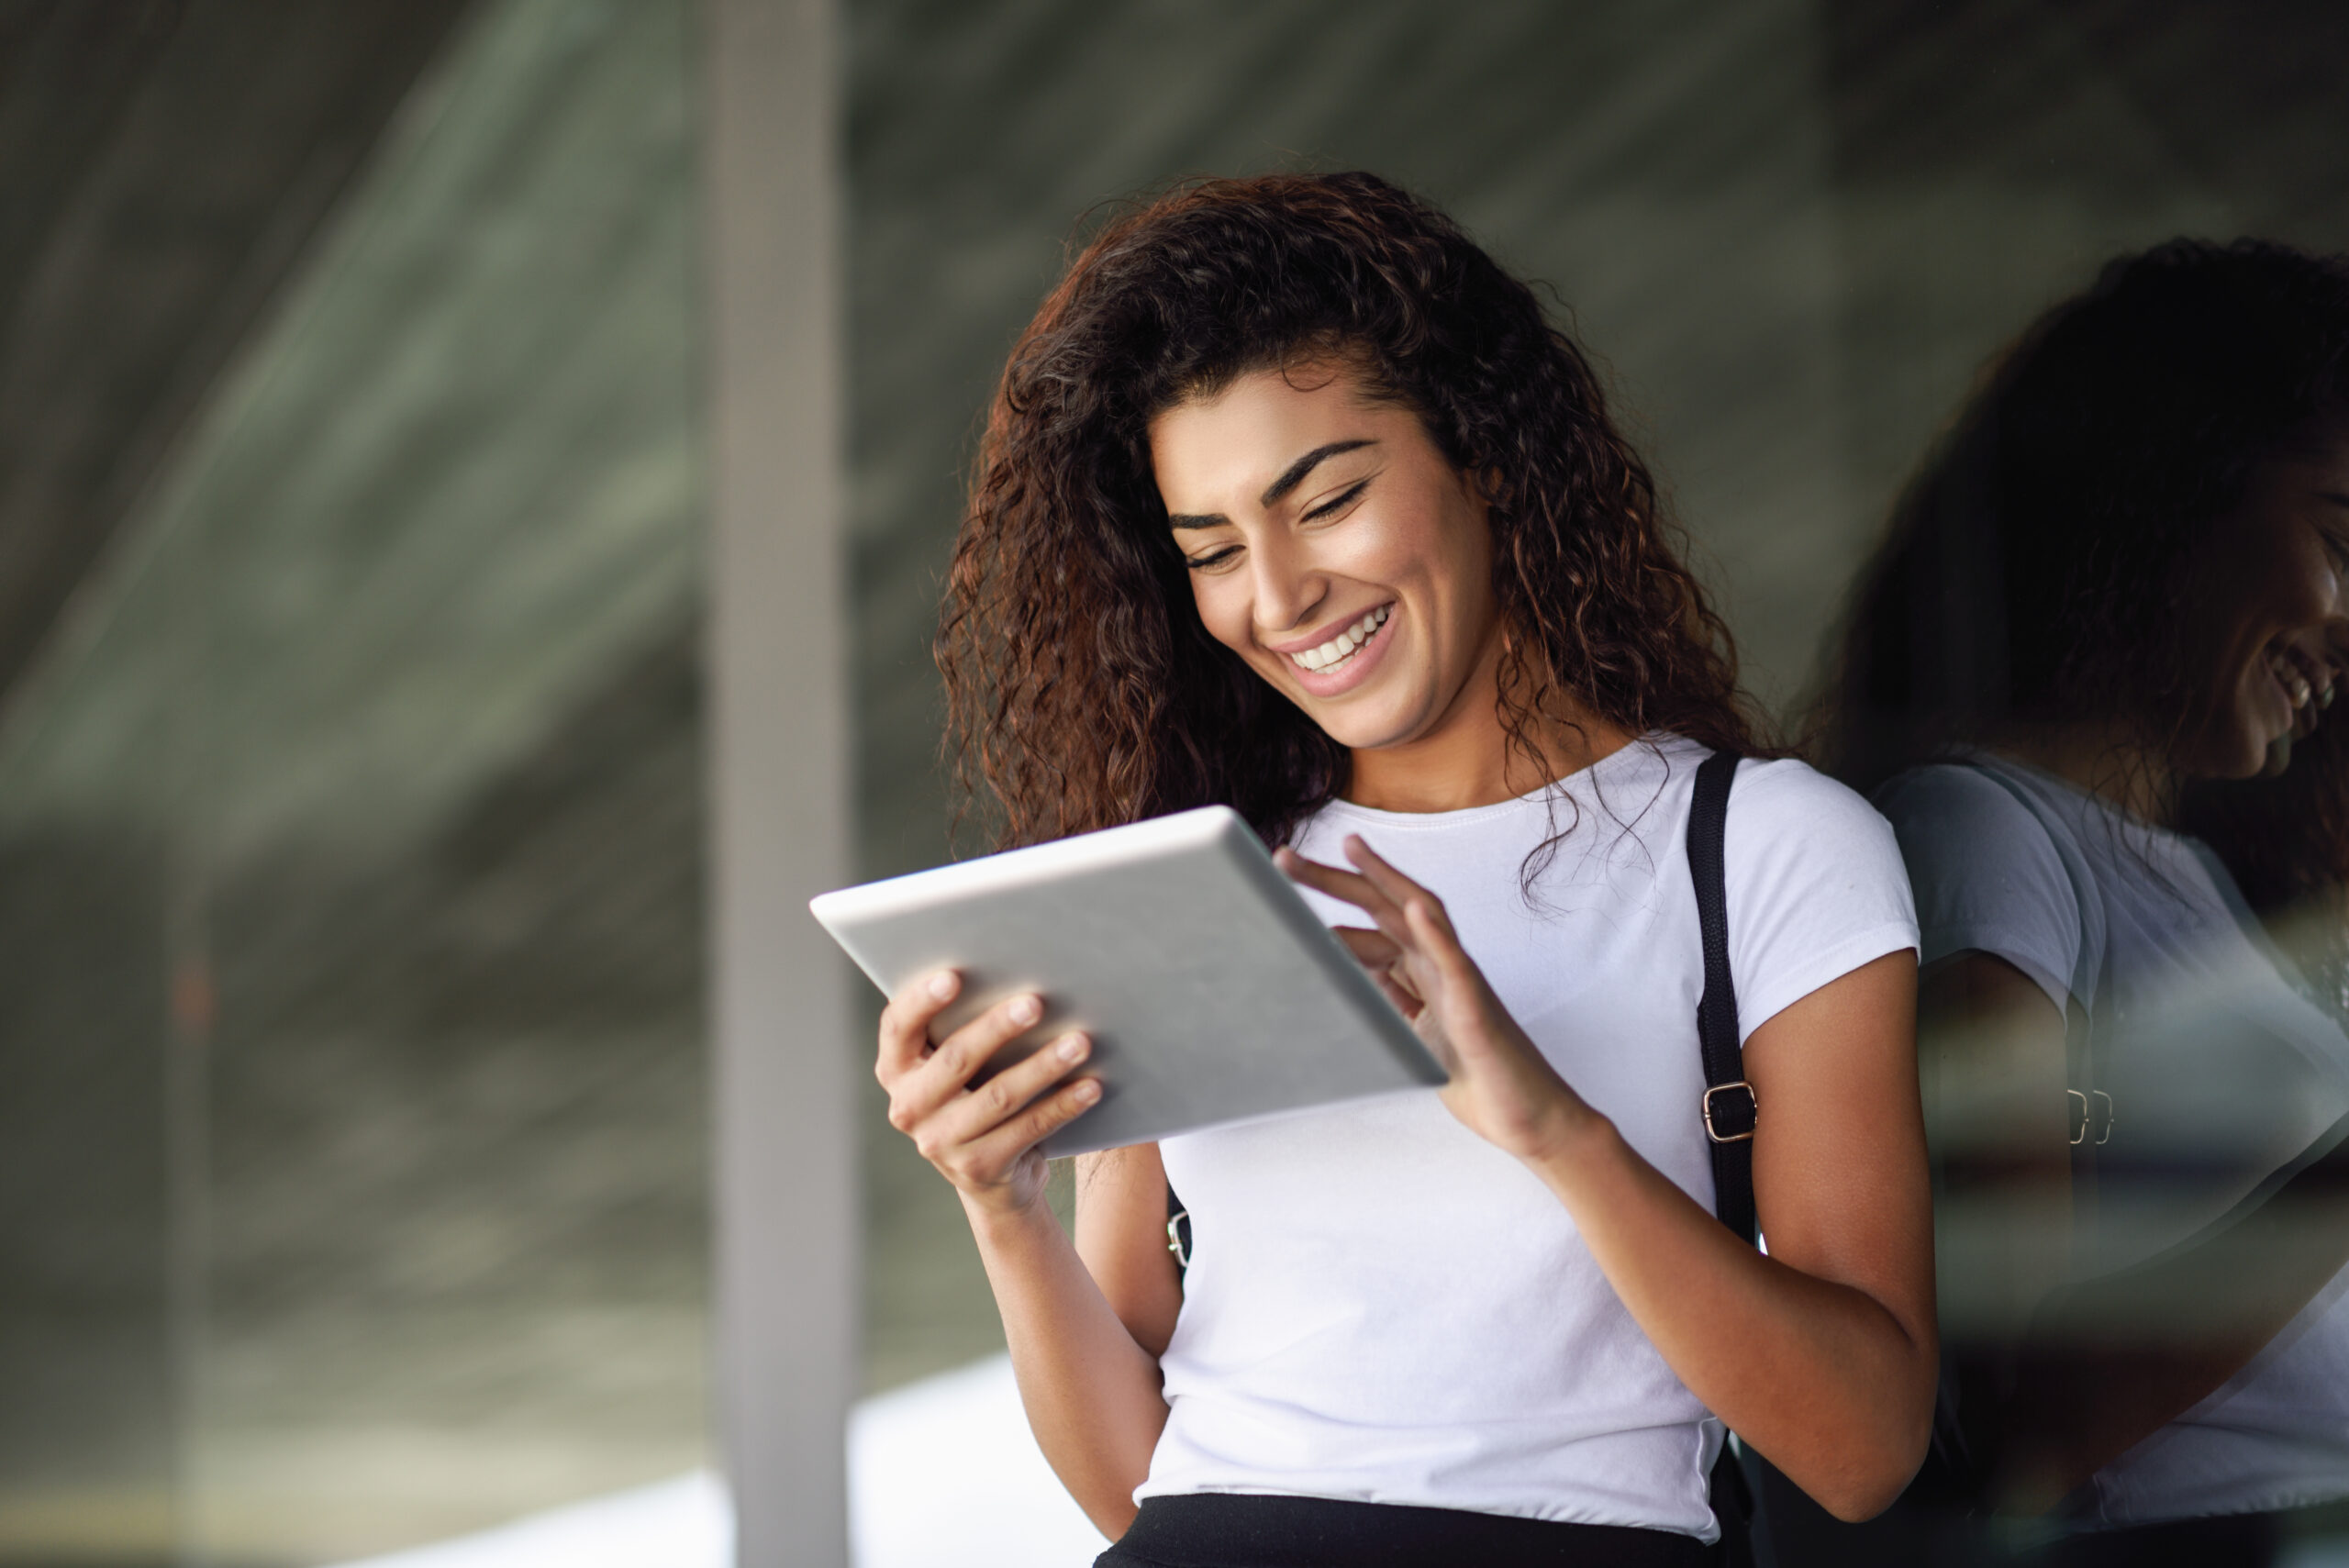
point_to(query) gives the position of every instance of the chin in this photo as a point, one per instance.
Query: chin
(2238, 745)
(1363, 731)
(2249, 755)
(1363, 738)
(2247, 758)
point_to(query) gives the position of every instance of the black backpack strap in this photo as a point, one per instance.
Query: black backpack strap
(1178, 1232)
(1728, 1110)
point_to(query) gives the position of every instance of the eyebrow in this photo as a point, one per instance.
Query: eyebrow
(1291, 477)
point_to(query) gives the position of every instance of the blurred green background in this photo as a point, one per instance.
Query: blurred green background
(354, 1142)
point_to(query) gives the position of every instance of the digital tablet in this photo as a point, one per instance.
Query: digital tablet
(1211, 990)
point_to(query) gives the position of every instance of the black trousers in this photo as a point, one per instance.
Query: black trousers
(1920, 1534)
(1217, 1531)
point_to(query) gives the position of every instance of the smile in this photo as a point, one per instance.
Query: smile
(1329, 655)
(2307, 684)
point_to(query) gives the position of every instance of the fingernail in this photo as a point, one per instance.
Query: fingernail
(1026, 1010)
(1087, 1091)
(942, 985)
(1073, 1048)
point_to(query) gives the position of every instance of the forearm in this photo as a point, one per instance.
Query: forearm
(1820, 1377)
(2112, 1361)
(1091, 1392)
(1827, 1366)
(2074, 1412)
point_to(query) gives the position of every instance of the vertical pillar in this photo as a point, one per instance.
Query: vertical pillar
(786, 1212)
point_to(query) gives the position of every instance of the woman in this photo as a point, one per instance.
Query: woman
(2092, 662)
(1291, 499)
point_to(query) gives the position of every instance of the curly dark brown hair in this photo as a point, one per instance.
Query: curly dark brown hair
(1081, 689)
(2038, 564)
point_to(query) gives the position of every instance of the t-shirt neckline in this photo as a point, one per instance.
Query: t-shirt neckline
(1652, 745)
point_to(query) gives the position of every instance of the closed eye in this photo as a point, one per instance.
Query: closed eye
(2336, 543)
(1212, 560)
(1339, 502)
(2335, 527)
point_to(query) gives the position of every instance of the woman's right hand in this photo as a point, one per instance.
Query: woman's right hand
(983, 1139)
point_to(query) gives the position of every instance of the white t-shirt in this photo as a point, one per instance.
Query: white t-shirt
(1382, 1307)
(2219, 1069)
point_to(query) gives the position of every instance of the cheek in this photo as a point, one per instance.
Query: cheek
(2300, 586)
(1223, 610)
(2297, 589)
(2323, 588)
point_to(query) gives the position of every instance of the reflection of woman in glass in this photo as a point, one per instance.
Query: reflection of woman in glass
(2110, 621)
(1292, 499)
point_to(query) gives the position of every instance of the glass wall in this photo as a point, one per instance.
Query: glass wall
(1793, 232)
(353, 1132)
(352, 874)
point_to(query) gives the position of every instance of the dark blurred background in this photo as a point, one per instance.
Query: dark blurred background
(354, 1078)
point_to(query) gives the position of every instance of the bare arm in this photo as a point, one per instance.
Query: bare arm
(2086, 1391)
(2085, 1394)
(1990, 1050)
(1821, 1355)
(1121, 1236)
(1090, 1389)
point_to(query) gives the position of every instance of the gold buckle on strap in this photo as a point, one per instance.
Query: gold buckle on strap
(2085, 1119)
(1753, 1112)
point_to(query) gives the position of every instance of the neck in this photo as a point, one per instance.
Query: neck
(1465, 759)
(2101, 759)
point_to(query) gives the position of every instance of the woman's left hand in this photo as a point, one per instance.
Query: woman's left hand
(1502, 1088)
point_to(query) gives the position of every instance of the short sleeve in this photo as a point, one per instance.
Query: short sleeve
(1815, 887)
(1988, 877)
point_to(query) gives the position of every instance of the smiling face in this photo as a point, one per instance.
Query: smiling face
(2269, 611)
(1332, 547)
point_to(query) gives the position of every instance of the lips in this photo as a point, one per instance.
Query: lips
(2308, 684)
(1325, 657)
(1342, 660)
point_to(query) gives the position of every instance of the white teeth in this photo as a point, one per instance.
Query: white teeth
(1340, 647)
(2306, 685)
(2296, 684)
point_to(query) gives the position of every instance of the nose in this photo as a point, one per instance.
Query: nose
(1287, 589)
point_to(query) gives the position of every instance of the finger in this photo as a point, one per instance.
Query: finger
(1390, 883)
(970, 1117)
(1372, 949)
(1351, 886)
(1402, 889)
(1381, 957)
(1405, 1000)
(1433, 937)
(1391, 887)
(905, 1022)
(960, 1055)
(1038, 1122)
